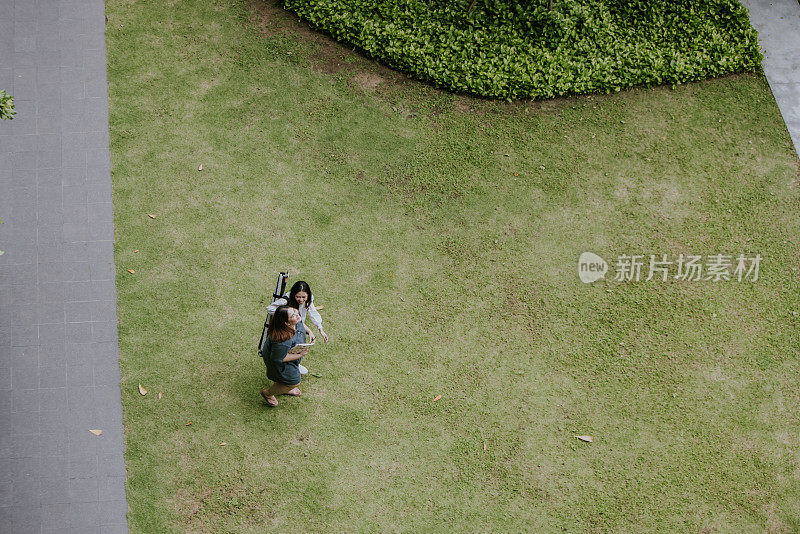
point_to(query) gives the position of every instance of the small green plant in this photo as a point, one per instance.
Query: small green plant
(6, 105)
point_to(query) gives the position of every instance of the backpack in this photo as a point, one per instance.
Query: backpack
(280, 288)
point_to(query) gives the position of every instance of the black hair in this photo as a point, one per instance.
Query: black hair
(299, 286)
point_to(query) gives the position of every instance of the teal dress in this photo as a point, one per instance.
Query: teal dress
(286, 373)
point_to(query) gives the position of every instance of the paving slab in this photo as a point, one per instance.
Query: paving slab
(59, 351)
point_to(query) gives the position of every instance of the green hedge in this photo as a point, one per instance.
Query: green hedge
(508, 49)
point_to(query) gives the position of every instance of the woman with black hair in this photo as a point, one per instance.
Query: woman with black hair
(301, 299)
(282, 366)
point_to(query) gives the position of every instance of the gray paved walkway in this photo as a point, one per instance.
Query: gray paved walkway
(59, 367)
(778, 25)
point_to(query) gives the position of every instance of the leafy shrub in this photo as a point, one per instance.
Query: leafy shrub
(6, 106)
(518, 49)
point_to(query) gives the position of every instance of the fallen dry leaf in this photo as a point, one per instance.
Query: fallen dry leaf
(222, 444)
(151, 215)
(96, 431)
(131, 271)
(437, 397)
(200, 168)
(142, 391)
(159, 394)
(135, 251)
(588, 439)
(484, 445)
(189, 423)
(318, 307)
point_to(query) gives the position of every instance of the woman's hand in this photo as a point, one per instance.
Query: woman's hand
(312, 336)
(323, 334)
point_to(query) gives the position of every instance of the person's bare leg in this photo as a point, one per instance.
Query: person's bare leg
(281, 389)
(288, 390)
(278, 389)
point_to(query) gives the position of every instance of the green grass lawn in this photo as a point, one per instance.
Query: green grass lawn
(441, 234)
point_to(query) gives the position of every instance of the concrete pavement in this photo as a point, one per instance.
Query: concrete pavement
(778, 25)
(59, 356)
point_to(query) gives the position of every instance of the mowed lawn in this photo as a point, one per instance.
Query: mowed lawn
(441, 234)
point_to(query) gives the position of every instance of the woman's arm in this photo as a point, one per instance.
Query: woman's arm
(278, 302)
(309, 333)
(293, 357)
(279, 352)
(316, 318)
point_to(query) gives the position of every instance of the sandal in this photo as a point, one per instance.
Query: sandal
(271, 400)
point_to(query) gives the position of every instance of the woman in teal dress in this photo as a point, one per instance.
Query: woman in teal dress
(282, 367)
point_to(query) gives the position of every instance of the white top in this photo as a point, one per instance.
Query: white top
(311, 311)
